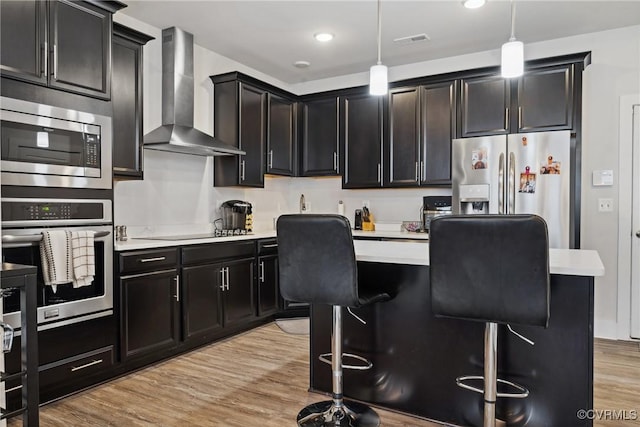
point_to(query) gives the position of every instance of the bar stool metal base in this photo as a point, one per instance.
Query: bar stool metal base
(327, 414)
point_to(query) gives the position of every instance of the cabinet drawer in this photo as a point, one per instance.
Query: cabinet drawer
(74, 368)
(267, 246)
(217, 251)
(149, 260)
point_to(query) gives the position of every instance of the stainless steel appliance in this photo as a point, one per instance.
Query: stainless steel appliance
(48, 146)
(237, 215)
(434, 206)
(516, 174)
(23, 221)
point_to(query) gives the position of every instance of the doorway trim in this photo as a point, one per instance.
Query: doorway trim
(625, 211)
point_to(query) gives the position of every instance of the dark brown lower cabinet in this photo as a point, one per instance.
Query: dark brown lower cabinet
(149, 313)
(268, 291)
(201, 302)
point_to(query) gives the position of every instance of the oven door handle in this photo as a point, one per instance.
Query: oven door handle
(35, 238)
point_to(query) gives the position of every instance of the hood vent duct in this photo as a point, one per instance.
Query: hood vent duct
(177, 133)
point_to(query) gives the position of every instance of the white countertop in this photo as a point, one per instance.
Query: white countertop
(573, 262)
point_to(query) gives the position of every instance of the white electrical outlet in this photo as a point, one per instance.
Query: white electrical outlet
(605, 205)
(366, 204)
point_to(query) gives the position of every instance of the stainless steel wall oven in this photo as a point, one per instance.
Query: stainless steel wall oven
(48, 146)
(23, 221)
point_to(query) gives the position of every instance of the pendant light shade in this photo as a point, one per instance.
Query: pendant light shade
(378, 80)
(512, 58)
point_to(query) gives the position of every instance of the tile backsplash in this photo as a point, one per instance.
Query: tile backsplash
(177, 195)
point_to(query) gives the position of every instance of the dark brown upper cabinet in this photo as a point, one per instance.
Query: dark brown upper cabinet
(60, 43)
(421, 124)
(361, 140)
(485, 106)
(126, 98)
(319, 145)
(281, 135)
(545, 99)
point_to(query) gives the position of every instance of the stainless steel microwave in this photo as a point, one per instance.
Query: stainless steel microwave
(49, 146)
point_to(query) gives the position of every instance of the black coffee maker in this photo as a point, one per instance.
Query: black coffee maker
(237, 215)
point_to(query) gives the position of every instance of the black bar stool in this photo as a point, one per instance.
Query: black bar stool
(492, 269)
(317, 265)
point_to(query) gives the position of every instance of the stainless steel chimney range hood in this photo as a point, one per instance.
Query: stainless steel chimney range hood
(177, 133)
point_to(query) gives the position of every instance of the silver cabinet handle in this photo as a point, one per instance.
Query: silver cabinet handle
(227, 274)
(506, 118)
(422, 174)
(261, 271)
(379, 172)
(86, 365)
(270, 159)
(18, 387)
(519, 118)
(55, 61)
(160, 258)
(501, 184)
(222, 274)
(272, 245)
(242, 165)
(417, 169)
(177, 279)
(335, 161)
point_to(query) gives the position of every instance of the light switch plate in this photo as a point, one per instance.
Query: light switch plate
(602, 178)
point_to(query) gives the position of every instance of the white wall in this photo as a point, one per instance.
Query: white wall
(182, 185)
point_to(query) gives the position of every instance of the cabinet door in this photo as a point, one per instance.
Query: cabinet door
(438, 115)
(238, 299)
(545, 99)
(126, 98)
(485, 106)
(252, 124)
(268, 292)
(402, 143)
(149, 318)
(320, 138)
(23, 40)
(80, 63)
(281, 133)
(362, 141)
(201, 304)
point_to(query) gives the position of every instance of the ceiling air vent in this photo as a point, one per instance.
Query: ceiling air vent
(412, 39)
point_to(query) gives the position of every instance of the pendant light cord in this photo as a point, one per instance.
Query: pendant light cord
(379, 32)
(513, 21)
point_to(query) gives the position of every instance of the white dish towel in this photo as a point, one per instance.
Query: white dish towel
(67, 257)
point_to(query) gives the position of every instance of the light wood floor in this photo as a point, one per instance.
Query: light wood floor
(260, 379)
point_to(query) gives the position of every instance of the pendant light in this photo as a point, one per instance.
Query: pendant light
(512, 51)
(378, 80)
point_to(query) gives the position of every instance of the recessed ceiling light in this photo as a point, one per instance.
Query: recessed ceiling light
(473, 4)
(301, 64)
(323, 37)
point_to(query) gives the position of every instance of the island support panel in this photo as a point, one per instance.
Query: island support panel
(417, 357)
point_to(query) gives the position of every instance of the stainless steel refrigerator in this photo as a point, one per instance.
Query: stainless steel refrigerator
(525, 173)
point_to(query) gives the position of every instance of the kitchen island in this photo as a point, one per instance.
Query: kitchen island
(416, 356)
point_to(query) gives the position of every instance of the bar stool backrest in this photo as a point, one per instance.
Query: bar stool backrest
(316, 260)
(490, 268)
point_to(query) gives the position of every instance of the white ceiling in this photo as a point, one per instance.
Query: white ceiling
(270, 36)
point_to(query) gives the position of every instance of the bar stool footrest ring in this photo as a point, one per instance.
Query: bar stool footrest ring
(326, 358)
(521, 393)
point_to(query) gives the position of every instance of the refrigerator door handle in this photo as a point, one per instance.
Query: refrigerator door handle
(512, 183)
(501, 184)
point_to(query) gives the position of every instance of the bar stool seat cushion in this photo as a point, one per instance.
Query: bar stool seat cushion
(318, 263)
(490, 268)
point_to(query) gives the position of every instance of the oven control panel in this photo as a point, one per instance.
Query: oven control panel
(41, 211)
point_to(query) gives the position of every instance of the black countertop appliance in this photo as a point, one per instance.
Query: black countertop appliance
(433, 206)
(237, 215)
